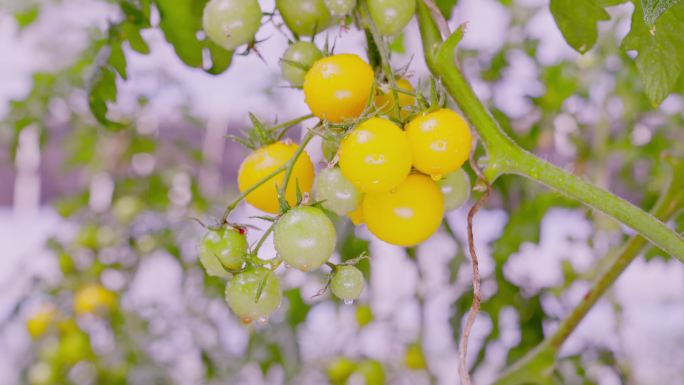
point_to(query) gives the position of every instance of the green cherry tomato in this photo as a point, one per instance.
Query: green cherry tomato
(303, 53)
(340, 7)
(338, 194)
(225, 248)
(339, 370)
(304, 17)
(231, 23)
(391, 16)
(242, 290)
(305, 238)
(347, 283)
(373, 372)
(455, 187)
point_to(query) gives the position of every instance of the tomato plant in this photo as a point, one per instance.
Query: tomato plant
(409, 125)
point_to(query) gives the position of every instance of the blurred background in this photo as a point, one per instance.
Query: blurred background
(81, 204)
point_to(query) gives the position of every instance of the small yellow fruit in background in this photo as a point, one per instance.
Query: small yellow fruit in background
(384, 99)
(41, 320)
(93, 298)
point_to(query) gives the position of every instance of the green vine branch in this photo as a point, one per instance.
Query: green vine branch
(537, 364)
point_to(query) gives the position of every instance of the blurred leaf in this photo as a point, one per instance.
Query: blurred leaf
(397, 45)
(446, 7)
(654, 8)
(352, 247)
(298, 310)
(28, 16)
(578, 21)
(660, 57)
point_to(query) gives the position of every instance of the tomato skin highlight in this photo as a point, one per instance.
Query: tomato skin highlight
(231, 23)
(336, 192)
(441, 142)
(266, 160)
(406, 215)
(376, 155)
(225, 248)
(337, 88)
(347, 283)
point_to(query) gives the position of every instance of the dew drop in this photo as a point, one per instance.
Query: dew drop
(348, 301)
(261, 320)
(436, 177)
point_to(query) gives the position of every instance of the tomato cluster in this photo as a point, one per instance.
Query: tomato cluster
(394, 160)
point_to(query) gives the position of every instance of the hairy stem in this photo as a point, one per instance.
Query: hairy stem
(541, 359)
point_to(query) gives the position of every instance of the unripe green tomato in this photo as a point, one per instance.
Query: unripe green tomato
(339, 369)
(242, 290)
(391, 16)
(74, 346)
(329, 148)
(304, 17)
(455, 187)
(127, 207)
(42, 373)
(338, 194)
(231, 23)
(225, 248)
(414, 358)
(347, 283)
(364, 315)
(305, 237)
(305, 54)
(340, 7)
(373, 372)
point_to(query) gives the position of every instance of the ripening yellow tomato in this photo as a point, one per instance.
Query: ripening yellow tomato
(384, 100)
(337, 88)
(265, 161)
(356, 216)
(93, 298)
(376, 155)
(441, 142)
(41, 320)
(406, 215)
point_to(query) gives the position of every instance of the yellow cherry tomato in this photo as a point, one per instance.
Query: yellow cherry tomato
(441, 142)
(265, 161)
(93, 298)
(376, 155)
(384, 100)
(356, 216)
(41, 320)
(337, 88)
(407, 215)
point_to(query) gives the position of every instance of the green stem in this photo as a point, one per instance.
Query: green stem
(542, 358)
(265, 235)
(505, 156)
(290, 123)
(384, 56)
(288, 166)
(290, 163)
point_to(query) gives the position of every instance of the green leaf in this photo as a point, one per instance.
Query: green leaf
(298, 309)
(654, 8)
(180, 26)
(660, 59)
(28, 16)
(102, 90)
(578, 21)
(446, 7)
